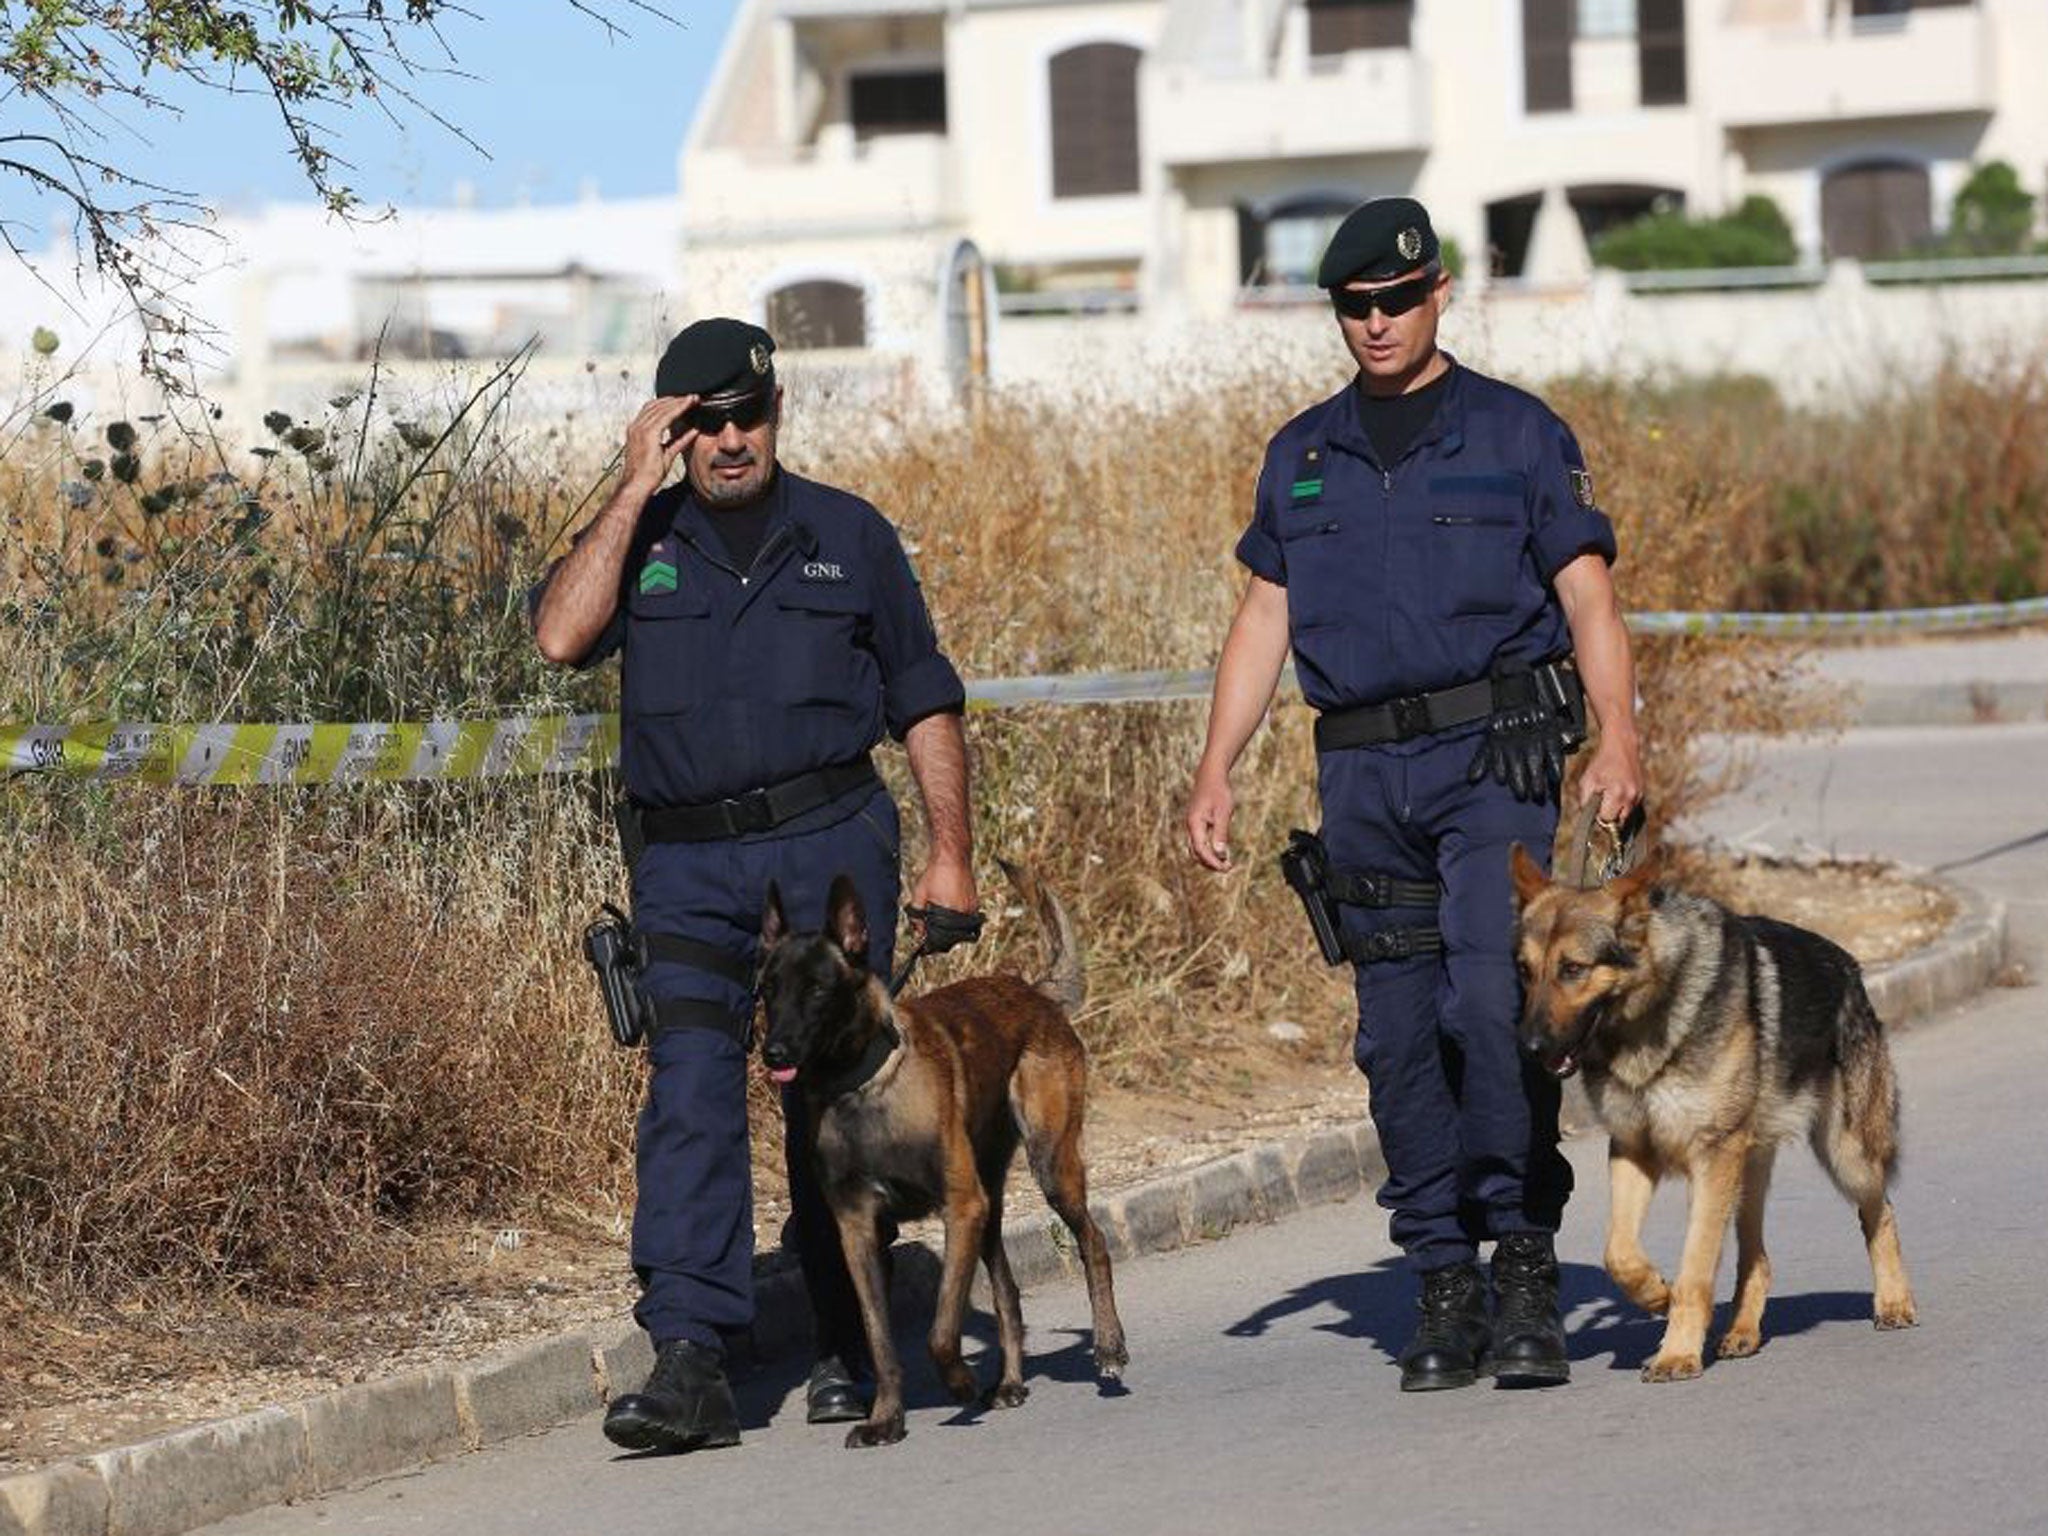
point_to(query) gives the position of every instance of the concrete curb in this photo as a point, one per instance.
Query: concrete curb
(181, 1481)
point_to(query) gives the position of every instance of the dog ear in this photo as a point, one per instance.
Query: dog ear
(1626, 888)
(1529, 877)
(774, 922)
(846, 920)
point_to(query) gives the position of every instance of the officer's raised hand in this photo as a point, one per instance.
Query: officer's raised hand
(656, 438)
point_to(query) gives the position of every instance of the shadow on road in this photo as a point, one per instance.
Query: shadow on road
(1379, 1305)
(770, 1388)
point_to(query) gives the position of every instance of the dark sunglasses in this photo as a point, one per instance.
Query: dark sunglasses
(1394, 299)
(709, 417)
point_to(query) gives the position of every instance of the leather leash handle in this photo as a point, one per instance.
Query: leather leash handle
(944, 929)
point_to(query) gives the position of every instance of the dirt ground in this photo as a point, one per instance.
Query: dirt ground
(82, 1383)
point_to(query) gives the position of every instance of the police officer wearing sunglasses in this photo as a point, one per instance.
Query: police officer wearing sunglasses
(769, 629)
(1426, 543)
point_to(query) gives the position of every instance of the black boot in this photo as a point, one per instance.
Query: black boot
(833, 1394)
(685, 1406)
(1528, 1334)
(1450, 1339)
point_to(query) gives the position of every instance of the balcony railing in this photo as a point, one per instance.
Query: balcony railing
(1918, 64)
(897, 180)
(1373, 101)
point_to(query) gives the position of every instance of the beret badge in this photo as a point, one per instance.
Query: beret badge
(1409, 243)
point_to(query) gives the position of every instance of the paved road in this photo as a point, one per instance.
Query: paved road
(1262, 1394)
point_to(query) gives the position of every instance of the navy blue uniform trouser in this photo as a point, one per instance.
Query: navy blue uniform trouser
(1467, 1122)
(693, 1223)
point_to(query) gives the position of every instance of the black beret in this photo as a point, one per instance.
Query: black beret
(716, 357)
(1380, 239)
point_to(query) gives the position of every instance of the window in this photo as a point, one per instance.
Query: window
(1282, 246)
(819, 313)
(1876, 209)
(1606, 18)
(1900, 7)
(900, 101)
(1510, 224)
(1551, 27)
(1344, 26)
(1609, 206)
(1094, 89)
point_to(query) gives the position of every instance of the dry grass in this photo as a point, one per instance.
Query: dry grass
(251, 1042)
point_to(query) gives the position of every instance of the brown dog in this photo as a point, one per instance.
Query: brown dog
(1706, 1040)
(918, 1106)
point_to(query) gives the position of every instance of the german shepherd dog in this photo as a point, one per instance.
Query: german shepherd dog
(1707, 1039)
(958, 1077)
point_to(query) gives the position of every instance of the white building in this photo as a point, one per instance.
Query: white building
(852, 159)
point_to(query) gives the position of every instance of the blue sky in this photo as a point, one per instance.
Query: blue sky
(554, 101)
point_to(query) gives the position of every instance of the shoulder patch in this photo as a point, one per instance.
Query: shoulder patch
(1582, 486)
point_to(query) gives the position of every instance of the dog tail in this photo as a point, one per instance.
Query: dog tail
(1063, 981)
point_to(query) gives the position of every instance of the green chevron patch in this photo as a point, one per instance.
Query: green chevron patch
(657, 576)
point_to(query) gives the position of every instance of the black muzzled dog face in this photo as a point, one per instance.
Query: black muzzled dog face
(812, 983)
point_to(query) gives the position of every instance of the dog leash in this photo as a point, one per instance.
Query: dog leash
(944, 929)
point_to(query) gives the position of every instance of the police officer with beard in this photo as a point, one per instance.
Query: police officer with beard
(769, 629)
(1426, 543)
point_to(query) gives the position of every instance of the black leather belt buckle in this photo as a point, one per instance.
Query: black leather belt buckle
(1390, 944)
(1411, 716)
(750, 812)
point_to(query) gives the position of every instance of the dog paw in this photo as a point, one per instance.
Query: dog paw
(1897, 1314)
(1007, 1394)
(1645, 1287)
(1740, 1343)
(1671, 1367)
(875, 1432)
(1110, 1361)
(960, 1383)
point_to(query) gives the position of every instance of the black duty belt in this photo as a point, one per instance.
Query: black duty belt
(758, 810)
(1391, 944)
(1365, 888)
(1419, 714)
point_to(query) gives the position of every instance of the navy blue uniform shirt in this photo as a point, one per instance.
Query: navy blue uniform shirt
(1432, 571)
(736, 680)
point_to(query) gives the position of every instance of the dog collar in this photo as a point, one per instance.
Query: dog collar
(857, 1076)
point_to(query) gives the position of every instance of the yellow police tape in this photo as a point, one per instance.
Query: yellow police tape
(527, 744)
(313, 754)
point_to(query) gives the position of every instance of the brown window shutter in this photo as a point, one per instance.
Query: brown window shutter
(820, 313)
(1547, 55)
(1094, 91)
(1342, 26)
(1660, 51)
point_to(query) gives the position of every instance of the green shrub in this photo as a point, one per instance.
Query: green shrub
(1754, 235)
(1993, 214)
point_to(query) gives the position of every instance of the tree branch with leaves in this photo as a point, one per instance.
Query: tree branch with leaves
(69, 69)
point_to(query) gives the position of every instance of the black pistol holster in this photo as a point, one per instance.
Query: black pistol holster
(619, 957)
(1323, 890)
(1306, 868)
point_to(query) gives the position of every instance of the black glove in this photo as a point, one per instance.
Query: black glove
(945, 928)
(1524, 747)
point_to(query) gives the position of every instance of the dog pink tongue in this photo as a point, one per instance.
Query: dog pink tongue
(782, 1074)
